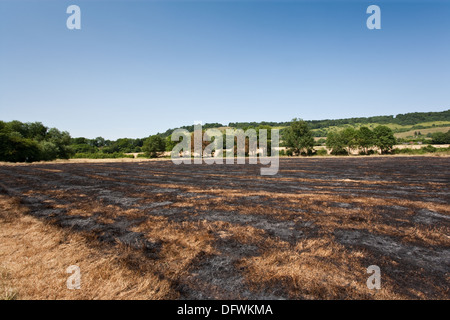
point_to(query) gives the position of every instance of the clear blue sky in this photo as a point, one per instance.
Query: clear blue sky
(140, 67)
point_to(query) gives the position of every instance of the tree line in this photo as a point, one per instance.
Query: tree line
(320, 127)
(363, 140)
(32, 141)
(28, 142)
(299, 139)
(401, 119)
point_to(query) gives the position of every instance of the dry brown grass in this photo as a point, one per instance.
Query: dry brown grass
(182, 244)
(310, 271)
(34, 257)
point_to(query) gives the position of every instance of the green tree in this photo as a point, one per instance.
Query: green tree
(98, 142)
(336, 143)
(14, 148)
(169, 143)
(365, 139)
(298, 137)
(49, 150)
(153, 146)
(123, 145)
(16, 126)
(441, 137)
(84, 148)
(80, 140)
(384, 138)
(269, 131)
(36, 131)
(62, 142)
(349, 138)
(32, 142)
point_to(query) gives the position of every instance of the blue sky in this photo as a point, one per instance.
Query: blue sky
(140, 67)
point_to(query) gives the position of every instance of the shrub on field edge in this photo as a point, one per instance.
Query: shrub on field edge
(115, 155)
(423, 150)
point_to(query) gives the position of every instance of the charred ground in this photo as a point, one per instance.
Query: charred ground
(226, 232)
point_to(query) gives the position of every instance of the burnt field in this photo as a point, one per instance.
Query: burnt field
(226, 232)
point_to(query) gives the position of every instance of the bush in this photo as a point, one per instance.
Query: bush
(16, 149)
(423, 150)
(115, 155)
(430, 148)
(339, 152)
(366, 153)
(321, 152)
(49, 150)
(310, 152)
(407, 151)
(83, 148)
(142, 155)
(441, 137)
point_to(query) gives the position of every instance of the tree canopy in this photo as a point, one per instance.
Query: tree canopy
(384, 138)
(154, 145)
(28, 142)
(441, 137)
(298, 137)
(344, 141)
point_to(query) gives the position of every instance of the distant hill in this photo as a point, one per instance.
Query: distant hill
(399, 123)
